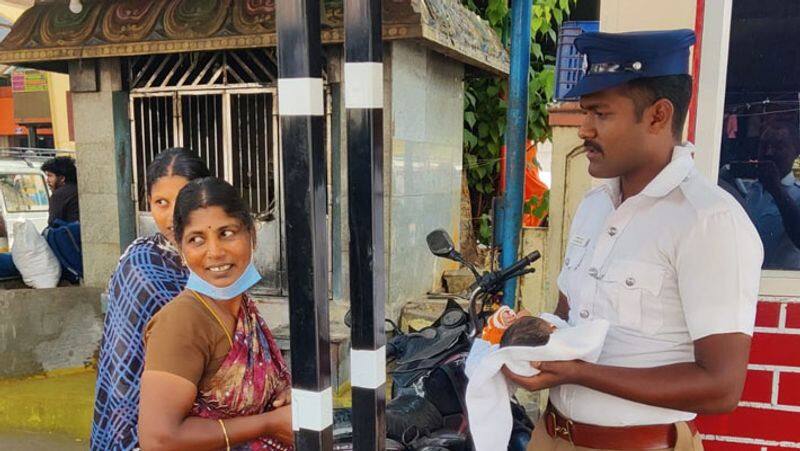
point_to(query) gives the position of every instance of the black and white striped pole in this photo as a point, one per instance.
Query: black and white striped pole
(300, 106)
(363, 97)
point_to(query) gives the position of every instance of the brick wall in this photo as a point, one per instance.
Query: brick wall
(768, 417)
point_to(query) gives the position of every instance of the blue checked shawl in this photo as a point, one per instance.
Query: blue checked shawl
(149, 275)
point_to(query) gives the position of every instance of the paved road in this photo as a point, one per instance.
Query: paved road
(39, 442)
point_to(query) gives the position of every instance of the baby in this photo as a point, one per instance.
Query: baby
(527, 331)
(507, 328)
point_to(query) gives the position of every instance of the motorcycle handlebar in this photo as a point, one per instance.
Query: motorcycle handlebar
(492, 282)
(518, 266)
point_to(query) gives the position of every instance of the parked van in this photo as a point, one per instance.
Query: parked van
(24, 192)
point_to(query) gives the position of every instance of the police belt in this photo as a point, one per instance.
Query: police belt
(657, 436)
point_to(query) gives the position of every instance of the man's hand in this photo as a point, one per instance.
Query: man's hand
(552, 374)
(711, 384)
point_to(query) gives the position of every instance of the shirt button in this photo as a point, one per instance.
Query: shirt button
(612, 231)
(566, 261)
(630, 281)
(584, 313)
(593, 272)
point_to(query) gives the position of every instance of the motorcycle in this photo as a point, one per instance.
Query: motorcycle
(427, 410)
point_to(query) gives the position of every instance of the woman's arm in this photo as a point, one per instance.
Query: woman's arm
(164, 424)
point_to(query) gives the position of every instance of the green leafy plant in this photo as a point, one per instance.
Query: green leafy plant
(538, 207)
(485, 107)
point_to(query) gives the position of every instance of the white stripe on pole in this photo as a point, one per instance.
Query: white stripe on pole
(300, 97)
(368, 368)
(312, 410)
(363, 87)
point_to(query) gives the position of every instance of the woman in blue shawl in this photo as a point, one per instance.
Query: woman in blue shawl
(150, 273)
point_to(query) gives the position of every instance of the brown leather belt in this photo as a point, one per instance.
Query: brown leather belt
(657, 436)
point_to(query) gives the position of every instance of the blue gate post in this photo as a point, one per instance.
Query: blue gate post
(516, 137)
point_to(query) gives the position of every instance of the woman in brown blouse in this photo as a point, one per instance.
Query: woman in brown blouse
(213, 376)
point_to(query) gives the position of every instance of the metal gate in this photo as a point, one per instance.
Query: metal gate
(223, 106)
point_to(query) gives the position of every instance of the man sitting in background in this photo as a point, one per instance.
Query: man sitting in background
(62, 178)
(773, 201)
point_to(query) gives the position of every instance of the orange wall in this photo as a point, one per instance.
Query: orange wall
(7, 124)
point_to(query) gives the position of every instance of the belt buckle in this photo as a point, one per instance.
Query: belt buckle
(562, 431)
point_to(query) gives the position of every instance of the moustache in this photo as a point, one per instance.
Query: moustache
(585, 147)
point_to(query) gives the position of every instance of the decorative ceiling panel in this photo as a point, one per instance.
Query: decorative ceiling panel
(49, 32)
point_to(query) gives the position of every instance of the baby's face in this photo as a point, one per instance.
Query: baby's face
(527, 331)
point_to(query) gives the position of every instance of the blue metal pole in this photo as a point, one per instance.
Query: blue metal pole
(516, 136)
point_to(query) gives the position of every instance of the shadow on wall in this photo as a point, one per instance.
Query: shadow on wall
(48, 330)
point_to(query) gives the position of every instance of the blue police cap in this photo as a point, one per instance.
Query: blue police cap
(616, 58)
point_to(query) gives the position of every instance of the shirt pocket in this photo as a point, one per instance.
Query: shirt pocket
(635, 289)
(574, 256)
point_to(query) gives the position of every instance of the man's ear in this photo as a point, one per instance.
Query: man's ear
(659, 116)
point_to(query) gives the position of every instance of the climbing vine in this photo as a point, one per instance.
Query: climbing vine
(485, 107)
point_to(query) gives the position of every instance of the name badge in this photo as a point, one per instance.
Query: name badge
(580, 241)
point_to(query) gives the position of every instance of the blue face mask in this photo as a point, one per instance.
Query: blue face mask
(249, 277)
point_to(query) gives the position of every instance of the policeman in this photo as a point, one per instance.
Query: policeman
(668, 258)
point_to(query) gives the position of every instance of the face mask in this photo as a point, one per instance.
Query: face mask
(249, 278)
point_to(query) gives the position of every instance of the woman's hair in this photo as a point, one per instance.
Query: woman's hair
(209, 192)
(177, 161)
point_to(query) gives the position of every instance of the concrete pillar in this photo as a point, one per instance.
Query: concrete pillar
(571, 180)
(102, 140)
(424, 114)
(57, 85)
(617, 16)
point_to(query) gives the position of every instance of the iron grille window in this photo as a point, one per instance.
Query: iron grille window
(203, 69)
(202, 127)
(251, 132)
(152, 119)
(219, 104)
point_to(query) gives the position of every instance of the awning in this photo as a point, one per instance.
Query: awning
(48, 35)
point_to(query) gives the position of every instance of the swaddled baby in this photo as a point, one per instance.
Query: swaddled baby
(523, 339)
(507, 328)
(527, 331)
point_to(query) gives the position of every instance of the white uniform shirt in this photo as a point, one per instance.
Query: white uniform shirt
(675, 263)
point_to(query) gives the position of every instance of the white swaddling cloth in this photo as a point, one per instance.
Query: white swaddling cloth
(488, 393)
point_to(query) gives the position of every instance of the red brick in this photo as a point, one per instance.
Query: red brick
(775, 349)
(793, 316)
(709, 445)
(768, 314)
(753, 423)
(758, 386)
(789, 389)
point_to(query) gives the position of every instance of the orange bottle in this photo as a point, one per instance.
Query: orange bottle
(497, 324)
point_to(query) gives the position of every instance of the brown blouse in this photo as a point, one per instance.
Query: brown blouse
(185, 339)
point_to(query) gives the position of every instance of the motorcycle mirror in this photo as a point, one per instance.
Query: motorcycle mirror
(440, 244)
(348, 318)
